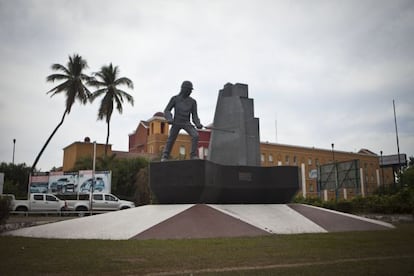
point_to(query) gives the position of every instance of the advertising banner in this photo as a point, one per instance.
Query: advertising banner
(393, 160)
(102, 181)
(63, 183)
(39, 183)
(70, 182)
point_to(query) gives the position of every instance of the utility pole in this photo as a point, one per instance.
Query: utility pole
(336, 172)
(14, 147)
(382, 170)
(93, 178)
(398, 144)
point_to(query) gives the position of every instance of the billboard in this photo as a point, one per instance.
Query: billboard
(102, 181)
(339, 175)
(63, 183)
(392, 160)
(39, 183)
(70, 182)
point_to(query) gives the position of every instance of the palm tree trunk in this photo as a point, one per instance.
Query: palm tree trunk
(107, 138)
(47, 142)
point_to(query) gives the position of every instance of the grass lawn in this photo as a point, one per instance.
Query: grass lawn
(349, 253)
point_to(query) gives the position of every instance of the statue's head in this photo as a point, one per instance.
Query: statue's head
(186, 88)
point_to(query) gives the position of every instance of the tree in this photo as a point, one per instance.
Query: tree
(16, 178)
(107, 82)
(142, 193)
(103, 163)
(407, 176)
(125, 176)
(72, 85)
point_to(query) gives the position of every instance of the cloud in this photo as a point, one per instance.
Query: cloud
(327, 71)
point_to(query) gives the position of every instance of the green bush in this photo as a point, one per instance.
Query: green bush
(390, 202)
(315, 201)
(4, 209)
(344, 206)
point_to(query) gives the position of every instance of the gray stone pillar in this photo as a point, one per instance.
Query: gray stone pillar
(235, 135)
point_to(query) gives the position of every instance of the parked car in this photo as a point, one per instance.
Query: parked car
(100, 202)
(39, 202)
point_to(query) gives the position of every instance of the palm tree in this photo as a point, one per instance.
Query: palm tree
(107, 82)
(72, 86)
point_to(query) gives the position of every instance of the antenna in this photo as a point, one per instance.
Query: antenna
(276, 127)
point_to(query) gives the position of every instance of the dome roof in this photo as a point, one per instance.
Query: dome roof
(158, 114)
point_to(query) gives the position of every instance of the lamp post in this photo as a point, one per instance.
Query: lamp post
(382, 170)
(93, 178)
(14, 147)
(336, 172)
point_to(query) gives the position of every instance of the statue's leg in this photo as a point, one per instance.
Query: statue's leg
(194, 140)
(170, 142)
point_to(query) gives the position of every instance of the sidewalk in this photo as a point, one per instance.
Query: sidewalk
(20, 221)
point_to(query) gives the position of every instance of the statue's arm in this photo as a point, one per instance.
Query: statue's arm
(167, 110)
(194, 116)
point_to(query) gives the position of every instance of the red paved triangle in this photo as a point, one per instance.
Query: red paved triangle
(335, 222)
(200, 221)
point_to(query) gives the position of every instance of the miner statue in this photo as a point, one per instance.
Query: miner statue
(184, 106)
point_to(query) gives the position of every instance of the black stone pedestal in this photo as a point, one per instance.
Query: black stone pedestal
(201, 181)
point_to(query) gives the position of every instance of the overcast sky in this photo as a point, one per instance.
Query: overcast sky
(322, 71)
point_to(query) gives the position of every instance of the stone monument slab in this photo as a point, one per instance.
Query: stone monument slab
(202, 181)
(235, 112)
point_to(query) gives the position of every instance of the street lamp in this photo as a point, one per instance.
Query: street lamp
(382, 170)
(14, 147)
(93, 178)
(336, 172)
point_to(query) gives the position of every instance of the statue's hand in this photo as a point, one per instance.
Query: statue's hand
(200, 126)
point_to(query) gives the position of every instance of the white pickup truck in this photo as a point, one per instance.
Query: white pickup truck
(100, 202)
(39, 202)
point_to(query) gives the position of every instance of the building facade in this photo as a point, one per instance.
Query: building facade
(79, 150)
(150, 137)
(371, 175)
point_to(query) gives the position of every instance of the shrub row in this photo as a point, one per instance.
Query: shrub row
(4, 209)
(401, 202)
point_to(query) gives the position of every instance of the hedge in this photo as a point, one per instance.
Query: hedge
(4, 209)
(401, 202)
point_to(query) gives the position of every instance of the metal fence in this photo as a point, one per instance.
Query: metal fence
(339, 175)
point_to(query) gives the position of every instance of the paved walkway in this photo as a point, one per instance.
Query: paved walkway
(182, 221)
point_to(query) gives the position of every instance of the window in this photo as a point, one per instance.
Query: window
(270, 158)
(287, 159)
(50, 198)
(162, 128)
(98, 197)
(262, 157)
(309, 161)
(182, 150)
(38, 197)
(311, 188)
(202, 152)
(295, 160)
(110, 198)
